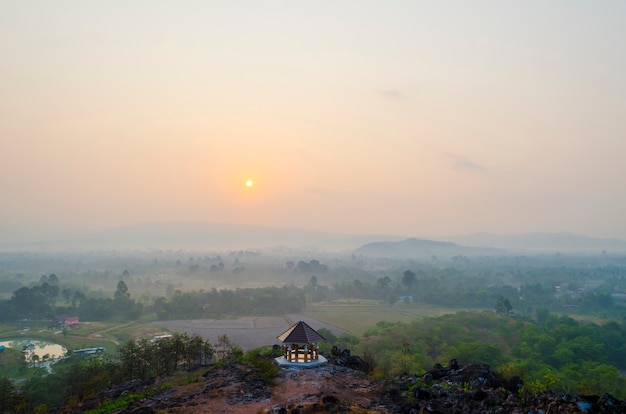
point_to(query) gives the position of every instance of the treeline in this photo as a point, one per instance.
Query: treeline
(580, 357)
(78, 377)
(42, 302)
(444, 287)
(448, 288)
(217, 303)
(38, 302)
(458, 289)
(591, 285)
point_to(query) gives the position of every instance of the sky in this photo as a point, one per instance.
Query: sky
(417, 118)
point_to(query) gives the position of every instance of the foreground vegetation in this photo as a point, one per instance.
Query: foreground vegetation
(576, 356)
(78, 377)
(549, 352)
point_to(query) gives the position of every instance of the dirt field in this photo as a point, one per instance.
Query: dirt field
(247, 332)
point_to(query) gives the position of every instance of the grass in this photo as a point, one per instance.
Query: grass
(121, 402)
(87, 328)
(70, 342)
(358, 315)
(103, 334)
(90, 334)
(143, 330)
(4, 329)
(12, 364)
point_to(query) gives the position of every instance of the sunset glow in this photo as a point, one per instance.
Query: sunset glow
(417, 118)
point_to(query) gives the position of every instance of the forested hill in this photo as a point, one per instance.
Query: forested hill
(418, 248)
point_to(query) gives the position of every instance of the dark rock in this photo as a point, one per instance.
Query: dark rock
(422, 394)
(514, 384)
(479, 395)
(143, 410)
(345, 359)
(606, 401)
(330, 399)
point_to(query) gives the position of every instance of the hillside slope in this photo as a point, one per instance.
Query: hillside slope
(238, 388)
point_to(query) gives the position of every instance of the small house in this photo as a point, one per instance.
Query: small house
(70, 323)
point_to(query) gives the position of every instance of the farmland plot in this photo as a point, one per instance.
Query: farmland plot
(247, 332)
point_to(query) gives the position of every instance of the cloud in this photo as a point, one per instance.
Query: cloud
(459, 162)
(394, 95)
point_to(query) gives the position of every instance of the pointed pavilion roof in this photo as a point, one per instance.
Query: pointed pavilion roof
(300, 333)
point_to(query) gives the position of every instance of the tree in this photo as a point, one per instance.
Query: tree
(384, 283)
(129, 358)
(193, 353)
(50, 292)
(503, 306)
(77, 298)
(121, 294)
(346, 340)
(331, 339)
(223, 346)
(409, 279)
(9, 396)
(67, 295)
(53, 279)
(542, 314)
(207, 352)
(226, 350)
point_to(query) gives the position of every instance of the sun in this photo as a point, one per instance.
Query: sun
(249, 183)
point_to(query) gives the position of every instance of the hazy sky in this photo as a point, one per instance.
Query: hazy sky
(418, 118)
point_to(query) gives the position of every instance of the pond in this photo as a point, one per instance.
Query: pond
(35, 349)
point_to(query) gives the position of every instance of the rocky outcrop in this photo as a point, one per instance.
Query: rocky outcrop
(474, 389)
(335, 388)
(344, 358)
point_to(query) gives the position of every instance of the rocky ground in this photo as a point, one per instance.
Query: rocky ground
(238, 388)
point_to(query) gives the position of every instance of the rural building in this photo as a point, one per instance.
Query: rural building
(90, 351)
(68, 322)
(71, 323)
(158, 338)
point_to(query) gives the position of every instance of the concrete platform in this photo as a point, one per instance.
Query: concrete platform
(282, 362)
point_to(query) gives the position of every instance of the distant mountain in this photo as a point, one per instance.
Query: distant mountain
(417, 248)
(211, 236)
(535, 242)
(221, 236)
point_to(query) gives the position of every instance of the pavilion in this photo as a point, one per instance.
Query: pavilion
(300, 346)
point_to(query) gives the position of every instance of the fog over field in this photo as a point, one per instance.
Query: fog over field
(280, 240)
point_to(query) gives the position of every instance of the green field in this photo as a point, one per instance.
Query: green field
(358, 315)
(88, 335)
